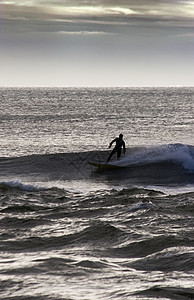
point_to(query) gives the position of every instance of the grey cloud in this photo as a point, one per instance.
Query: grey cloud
(142, 7)
(41, 16)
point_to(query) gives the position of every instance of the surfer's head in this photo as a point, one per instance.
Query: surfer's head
(120, 135)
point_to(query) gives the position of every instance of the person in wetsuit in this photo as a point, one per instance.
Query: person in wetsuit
(117, 149)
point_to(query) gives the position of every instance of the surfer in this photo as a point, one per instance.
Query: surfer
(117, 149)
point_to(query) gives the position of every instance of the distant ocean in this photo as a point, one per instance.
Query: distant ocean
(71, 231)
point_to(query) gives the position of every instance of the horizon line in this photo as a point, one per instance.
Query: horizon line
(95, 86)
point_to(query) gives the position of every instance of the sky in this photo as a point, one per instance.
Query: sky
(96, 43)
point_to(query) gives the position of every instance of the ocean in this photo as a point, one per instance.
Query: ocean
(71, 231)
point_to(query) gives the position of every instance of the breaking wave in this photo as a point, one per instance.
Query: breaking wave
(175, 153)
(165, 164)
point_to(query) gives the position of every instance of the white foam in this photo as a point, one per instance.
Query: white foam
(142, 205)
(21, 186)
(177, 153)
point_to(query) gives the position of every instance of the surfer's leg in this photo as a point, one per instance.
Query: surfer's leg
(118, 153)
(111, 154)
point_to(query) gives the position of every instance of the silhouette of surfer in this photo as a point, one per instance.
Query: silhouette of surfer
(117, 149)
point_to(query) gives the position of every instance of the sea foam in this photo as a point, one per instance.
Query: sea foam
(176, 153)
(17, 184)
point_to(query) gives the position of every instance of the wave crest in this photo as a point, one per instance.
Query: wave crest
(18, 185)
(176, 153)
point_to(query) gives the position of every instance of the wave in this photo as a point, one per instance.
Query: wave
(175, 153)
(18, 185)
(149, 246)
(168, 260)
(170, 292)
(165, 163)
(150, 253)
(96, 235)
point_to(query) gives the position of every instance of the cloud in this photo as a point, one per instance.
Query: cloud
(83, 33)
(149, 8)
(103, 16)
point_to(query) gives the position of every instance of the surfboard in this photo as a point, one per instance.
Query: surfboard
(103, 166)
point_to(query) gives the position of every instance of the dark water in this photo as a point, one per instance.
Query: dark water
(71, 231)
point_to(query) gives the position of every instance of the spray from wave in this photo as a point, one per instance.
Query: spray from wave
(174, 153)
(18, 185)
(142, 166)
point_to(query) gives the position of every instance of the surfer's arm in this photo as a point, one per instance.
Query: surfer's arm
(113, 141)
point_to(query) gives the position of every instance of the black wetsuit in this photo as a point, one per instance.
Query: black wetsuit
(119, 144)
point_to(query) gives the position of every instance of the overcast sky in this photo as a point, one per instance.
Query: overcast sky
(96, 43)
